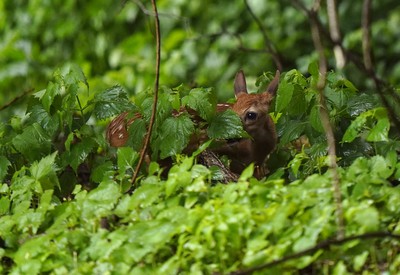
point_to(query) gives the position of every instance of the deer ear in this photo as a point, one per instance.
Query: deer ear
(240, 83)
(273, 85)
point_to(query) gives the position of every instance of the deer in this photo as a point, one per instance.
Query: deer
(253, 112)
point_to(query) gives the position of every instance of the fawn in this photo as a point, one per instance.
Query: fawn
(253, 111)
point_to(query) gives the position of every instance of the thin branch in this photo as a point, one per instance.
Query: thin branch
(268, 43)
(208, 158)
(366, 34)
(152, 13)
(324, 115)
(15, 99)
(335, 33)
(156, 84)
(143, 8)
(322, 245)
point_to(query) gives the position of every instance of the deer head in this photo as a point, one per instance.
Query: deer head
(253, 111)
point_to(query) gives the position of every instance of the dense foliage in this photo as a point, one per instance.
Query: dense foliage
(63, 202)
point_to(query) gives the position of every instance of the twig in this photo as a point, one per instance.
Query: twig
(335, 33)
(154, 111)
(268, 43)
(323, 67)
(322, 245)
(208, 158)
(366, 34)
(143, 8)
(5, 106)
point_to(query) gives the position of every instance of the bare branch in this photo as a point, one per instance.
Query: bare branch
(324, 115)
(5, 106)
(366, 34)
(322, 245)
(208, 158)
(154, 110)
(335, 33)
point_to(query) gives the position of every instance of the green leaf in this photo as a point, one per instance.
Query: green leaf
(154, 168)
(284, 96)
(296, 162)
(79, 153)
(292, 130)
(159, 232)
(44, 167)
(340, 269)
(137, 131)
(5, 204)
(225, 125)
(75, 75)
(359, 104)
(52, 90)
(380, 166)
(353, 130)
(313, 69)
(164, 109)
(33, 143)
(298, 104)
(337, 96)
(49, 123)
(126, 159)
(360, 260)
(101, 200)
(380, 132)
(349, 85)
(145, 195)
(179, 176)
(247, 172)
(203, 101)
(102, 172)
(175, 134)
(367, 219)
(111, 102)
(315, 119)
(174, 97)
(4, 164)
(156, 233)
(29, 253)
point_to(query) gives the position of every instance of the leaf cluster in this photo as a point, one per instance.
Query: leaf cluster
(63, 208)
(184, 224)
(361, 125)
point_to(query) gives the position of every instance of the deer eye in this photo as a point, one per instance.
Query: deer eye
(251, 115)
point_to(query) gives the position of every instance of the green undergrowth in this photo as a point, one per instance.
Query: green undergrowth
(64, 207)
(187, 225)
